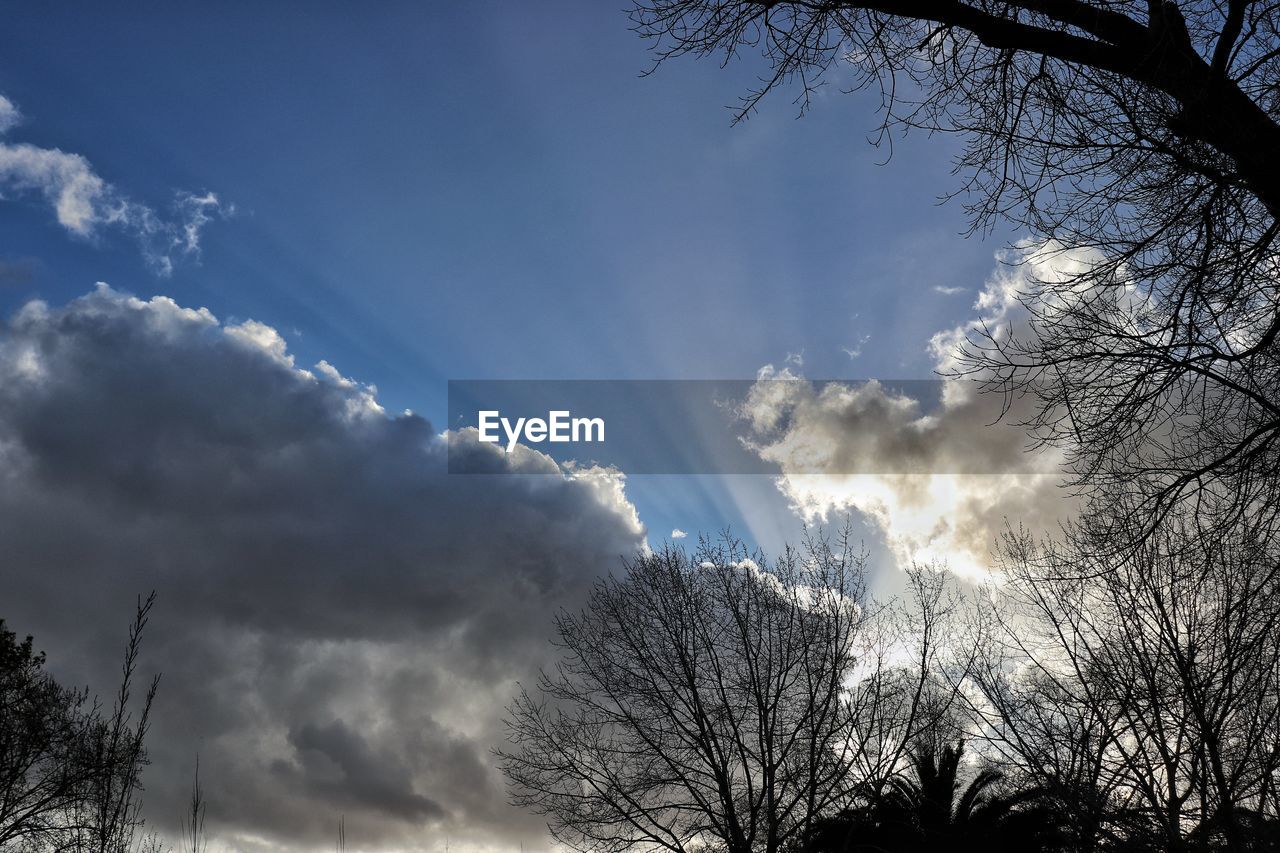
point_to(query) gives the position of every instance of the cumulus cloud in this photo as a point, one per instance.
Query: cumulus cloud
(85, 204)
(340, 622)
(942, 478)
(678, 534)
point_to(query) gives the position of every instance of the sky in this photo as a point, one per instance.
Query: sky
(245, 247)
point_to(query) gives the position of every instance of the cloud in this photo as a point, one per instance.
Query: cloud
(678, 534)
(949, 291)
(10, 117)
(941, 482)
(855, 351)
(340, 622)
(84, 204)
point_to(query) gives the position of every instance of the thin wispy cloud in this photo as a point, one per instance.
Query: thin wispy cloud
(949, 291)
(85, 204)
(855, 351)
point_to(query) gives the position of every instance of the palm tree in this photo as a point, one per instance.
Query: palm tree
(928, 809)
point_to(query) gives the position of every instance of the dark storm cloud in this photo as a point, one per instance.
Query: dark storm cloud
(337, 760)
(340, 622)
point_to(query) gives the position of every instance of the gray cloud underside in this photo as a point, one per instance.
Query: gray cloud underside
(340, 622)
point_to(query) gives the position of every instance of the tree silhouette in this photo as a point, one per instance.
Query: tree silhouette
(69, 769)
(931, 808)
(704, 699)
(45, 735)
(1260, 833)
(1142, 690)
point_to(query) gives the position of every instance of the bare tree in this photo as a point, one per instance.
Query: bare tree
(703, 700)
(192, 823)
(69, 771)
(44, 747)
(111, 811)
(1143, 130)
(1143, 689)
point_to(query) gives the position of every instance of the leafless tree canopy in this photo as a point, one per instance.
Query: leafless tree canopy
(1142, 690)
(69, 767)
(1145, 131)
(706, 701)
(1109, 703)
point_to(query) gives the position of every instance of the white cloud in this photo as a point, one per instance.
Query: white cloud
(855, 351)
(264, 338)
(678, 534)
(84, 203)
(80, 199)
(949, 291)
(10, 117)
(940, 482)
(196, 211)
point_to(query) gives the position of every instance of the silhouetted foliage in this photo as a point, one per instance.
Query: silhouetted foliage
(719, 700)
(1112, 703)
(706, 700)
(1255, 833)
(68, 767)
(932, 807)
(194, 839)
(45, 753)
(1141, 690)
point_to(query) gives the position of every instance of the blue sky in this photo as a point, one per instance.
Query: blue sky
(491, 190)
(414, 193)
